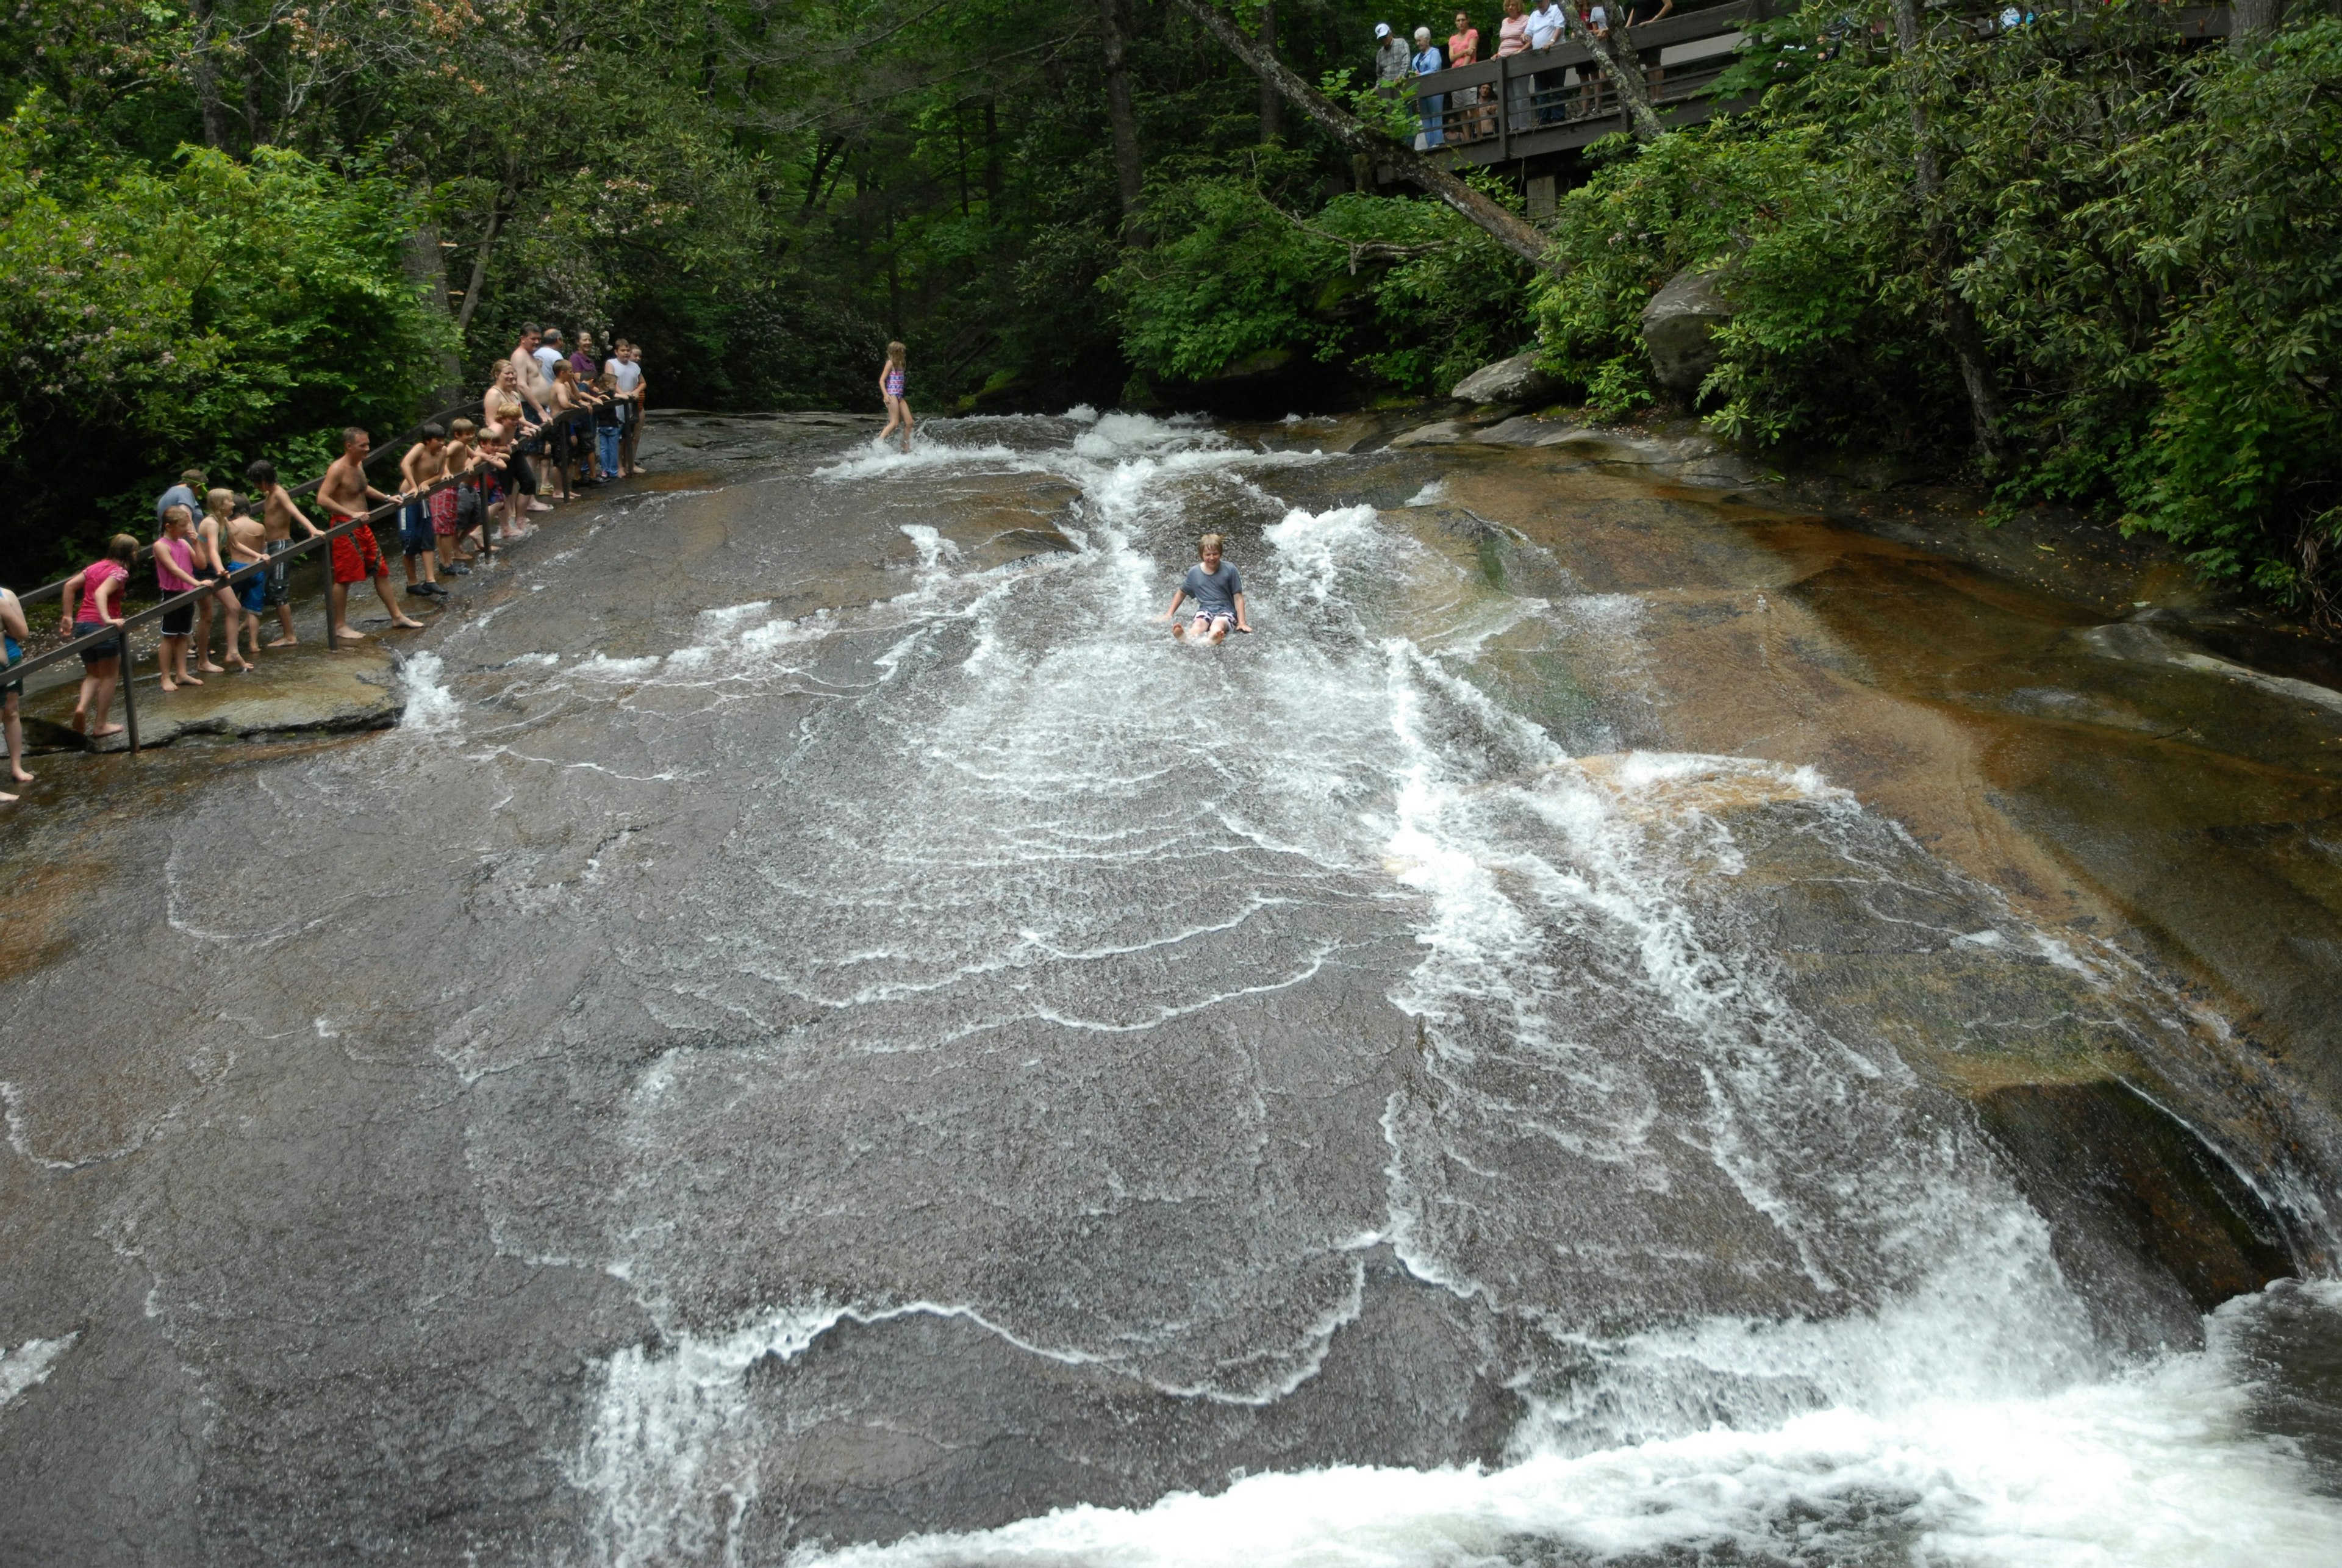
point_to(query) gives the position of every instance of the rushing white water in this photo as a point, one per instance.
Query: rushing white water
(1766, 1299)
(30, 1363)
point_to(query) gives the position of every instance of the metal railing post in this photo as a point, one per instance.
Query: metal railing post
(129, 702)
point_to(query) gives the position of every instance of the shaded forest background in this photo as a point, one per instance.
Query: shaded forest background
(2083, 259)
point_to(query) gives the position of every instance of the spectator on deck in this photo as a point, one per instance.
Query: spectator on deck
(1472, 121)
(1589, 91)
(1643, 15)
(1549, 26)
(1430, 112)
(1513, 38)
(1390, 59)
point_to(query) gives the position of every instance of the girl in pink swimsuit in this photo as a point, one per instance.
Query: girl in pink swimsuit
(890, 387)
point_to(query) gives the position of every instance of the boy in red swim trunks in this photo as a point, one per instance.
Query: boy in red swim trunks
(344, 493)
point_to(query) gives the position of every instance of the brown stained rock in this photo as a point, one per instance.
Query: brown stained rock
(303, 690)
(2130, 1192)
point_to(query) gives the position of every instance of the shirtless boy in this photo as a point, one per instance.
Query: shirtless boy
(247, 544)
(344, 493)
(278, 515)
(424, 465)
(1219, 595)
(447, 506)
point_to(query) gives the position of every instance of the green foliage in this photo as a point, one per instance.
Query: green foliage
(2149, 235)
(210, 313)
(1401, 290)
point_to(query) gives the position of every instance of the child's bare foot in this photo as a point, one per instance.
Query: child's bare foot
(345, 634)
(210, 668)
(6, 799)
(243, 666)
(189, 681)
(408, 622)
(287, 642)
(80, 722)
(18, 775)
(1179, 630)
(109, 730)
(168, 688)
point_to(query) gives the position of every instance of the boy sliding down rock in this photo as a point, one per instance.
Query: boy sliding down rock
(1218, 591)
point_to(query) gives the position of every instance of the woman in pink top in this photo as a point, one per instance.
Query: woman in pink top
(1472, 121)
(93, 601)
(1512, 39)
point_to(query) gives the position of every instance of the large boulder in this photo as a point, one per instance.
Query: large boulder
(1677, 328)
(1517, 380)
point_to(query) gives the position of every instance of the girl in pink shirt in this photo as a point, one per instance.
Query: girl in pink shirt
(175, 573)
(92, 600)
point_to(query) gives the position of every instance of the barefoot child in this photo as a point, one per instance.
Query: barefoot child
(418, 471)
(247, 545)
(93, 601)
(175, 573)
(278, 515)
(211, 566)
(447, 506)
(890, 387)
(12, 623)
(1219, 595)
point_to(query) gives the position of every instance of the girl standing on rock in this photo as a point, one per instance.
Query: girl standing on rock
(93, 601)
(12, 623)
(890, 387)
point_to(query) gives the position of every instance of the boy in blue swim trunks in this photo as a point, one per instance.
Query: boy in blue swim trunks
(1218, 591)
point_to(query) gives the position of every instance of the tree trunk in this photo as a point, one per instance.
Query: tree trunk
(1515, 235)
(480, 261)
(1270, 104)
(1960, 328)
(2248, 17)
(205, 69)
(425, 266)
(1627, 78)
(1118, 112)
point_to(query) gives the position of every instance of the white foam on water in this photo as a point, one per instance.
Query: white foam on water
(1437, 490)
(2153, 1470)
(1929, 1387)
(30, 1363)
(1317, 545)
(431, 708)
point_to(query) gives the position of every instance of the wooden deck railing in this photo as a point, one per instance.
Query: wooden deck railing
(1554, 100)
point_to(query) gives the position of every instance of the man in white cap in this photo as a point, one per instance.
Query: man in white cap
(1390, 57)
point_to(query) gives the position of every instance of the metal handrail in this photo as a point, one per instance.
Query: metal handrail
(47, 591)
(118, 632)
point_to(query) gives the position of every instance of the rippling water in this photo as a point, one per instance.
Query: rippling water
(1339, 1098)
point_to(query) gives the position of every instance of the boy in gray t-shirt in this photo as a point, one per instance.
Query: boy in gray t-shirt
(1219, 595)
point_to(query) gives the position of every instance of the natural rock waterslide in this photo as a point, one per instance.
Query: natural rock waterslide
(1622, 1026)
